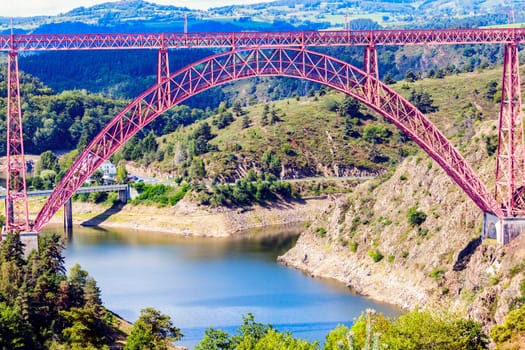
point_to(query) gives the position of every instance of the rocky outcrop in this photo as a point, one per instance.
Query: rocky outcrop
(366, 241)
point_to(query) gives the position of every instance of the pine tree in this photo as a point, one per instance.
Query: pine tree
(92, 294)
(246, 122)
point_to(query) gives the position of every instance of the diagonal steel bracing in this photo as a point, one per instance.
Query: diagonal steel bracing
(259, 61)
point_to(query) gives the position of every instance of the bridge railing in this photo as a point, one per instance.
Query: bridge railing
(90, 189)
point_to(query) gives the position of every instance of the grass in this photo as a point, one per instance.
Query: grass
(315, 135)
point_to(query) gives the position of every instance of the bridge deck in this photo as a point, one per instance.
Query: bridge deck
(174, 40)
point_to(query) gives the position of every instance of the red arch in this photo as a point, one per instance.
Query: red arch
(252, 62)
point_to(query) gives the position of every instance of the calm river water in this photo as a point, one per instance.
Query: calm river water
(211, 282)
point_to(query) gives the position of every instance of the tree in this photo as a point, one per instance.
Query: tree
(246, 122)
(349, 108)
(85, 330)
(122, 174)
(215, 339)
(47, 161)
(250, 332)
(511, 333)
(12, 249)
(201, 136)
(410, 76)
(264, 118)
(97, 177)
(92, 294)
(423, 101)
(237, 109)
(283, 341)
(149, 144)
(197, 169)
(152, 330)
(77, 281)
(14, 331)
(376, 133)
(416, 217)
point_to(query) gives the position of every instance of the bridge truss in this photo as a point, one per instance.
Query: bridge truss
(288, 54)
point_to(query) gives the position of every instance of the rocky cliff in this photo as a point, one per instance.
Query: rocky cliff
(371, 241)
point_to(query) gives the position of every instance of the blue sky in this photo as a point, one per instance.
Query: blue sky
(18, 8)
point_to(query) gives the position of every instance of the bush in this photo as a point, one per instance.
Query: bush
(375, 255)
(416, 217)
(321, 231)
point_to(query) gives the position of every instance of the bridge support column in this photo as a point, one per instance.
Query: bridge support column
(510, 166)
(371, 68)
(28, 239)
(503, 230)
(123, 195)
(68, 218)
(17, 217)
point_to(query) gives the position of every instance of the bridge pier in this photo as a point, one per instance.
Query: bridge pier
(28, 239)
(68, 218)
(503, 230)
(124, 195)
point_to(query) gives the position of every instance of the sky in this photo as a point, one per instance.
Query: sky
(26, 8)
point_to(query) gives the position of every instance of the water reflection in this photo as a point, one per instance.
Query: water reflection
(203, 282)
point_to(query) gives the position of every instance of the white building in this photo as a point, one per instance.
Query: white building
(108, 169)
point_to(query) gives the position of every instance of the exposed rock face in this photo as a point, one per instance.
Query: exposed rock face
(442, 261)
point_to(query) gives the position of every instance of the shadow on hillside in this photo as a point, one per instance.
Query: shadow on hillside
(465, 255)
(100, 218)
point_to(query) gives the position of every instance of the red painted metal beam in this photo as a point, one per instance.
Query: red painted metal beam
(246, 63)
(17, 218)
(510, 168)
(45, 42)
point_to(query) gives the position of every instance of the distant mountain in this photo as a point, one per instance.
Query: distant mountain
(140, 15)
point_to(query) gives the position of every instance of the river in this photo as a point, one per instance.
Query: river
(211, 282)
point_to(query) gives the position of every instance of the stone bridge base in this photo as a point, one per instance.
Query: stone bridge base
(503, 230)
(29, 240)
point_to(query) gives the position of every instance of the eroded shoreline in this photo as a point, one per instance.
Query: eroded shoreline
(190, 219)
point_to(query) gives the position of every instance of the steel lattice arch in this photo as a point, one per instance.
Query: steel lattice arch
(301, 63)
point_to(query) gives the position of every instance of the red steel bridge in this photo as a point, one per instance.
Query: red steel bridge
(286, 54)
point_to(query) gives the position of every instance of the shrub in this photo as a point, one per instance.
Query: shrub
(416, 217)
(321, 231)
(375, 255)
(437, 273)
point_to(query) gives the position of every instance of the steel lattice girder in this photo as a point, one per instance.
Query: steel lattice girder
(17, 218)
(510, 167)
(42, 42)
(289, 62)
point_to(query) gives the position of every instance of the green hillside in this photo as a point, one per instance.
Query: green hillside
(320, 135)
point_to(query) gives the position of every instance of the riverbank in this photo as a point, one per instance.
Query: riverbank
(189, 219)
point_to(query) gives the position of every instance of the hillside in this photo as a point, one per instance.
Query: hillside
(325, 135)
(411, 236)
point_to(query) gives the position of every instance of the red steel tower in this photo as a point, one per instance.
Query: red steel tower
(16, 196)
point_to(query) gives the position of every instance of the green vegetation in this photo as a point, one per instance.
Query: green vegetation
(511, 334)
(152, 330)
(321, 231)
(42, 307)
(376, 255)
(247, 191)
(417, 330)
(416, 217)
(159, 194)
